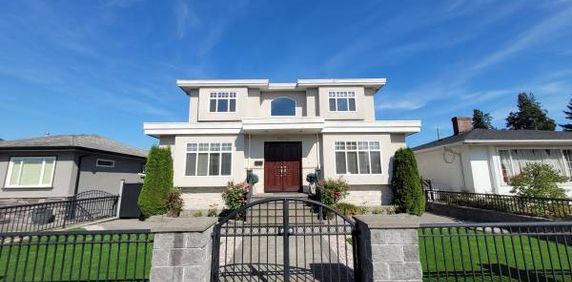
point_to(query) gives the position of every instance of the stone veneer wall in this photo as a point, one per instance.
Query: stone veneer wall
(388, 248)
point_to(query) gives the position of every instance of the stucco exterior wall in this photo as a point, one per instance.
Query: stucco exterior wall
(63, 182)
(443, 170)
(480, 167)
(108, 179)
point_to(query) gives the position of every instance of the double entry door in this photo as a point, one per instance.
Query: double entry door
(282, 166)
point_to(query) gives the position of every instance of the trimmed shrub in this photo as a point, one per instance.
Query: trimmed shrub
(332, 191)
(235, 195)
(158, 182)
(538, 181)
(407, 190)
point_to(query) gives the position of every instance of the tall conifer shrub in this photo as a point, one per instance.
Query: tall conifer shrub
(157, 183)
(406, 184)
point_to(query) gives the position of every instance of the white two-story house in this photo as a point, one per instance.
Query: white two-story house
(282, 132)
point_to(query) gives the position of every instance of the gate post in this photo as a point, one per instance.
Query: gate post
(182, 249)
(388, 248)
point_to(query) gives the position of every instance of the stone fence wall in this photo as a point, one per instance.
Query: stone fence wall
(388, 249)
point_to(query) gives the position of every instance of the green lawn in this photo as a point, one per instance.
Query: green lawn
(460, 255)
(84, 257)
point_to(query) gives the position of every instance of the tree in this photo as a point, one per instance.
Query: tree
(157, 183)
(482, 120)
(530, 115)
(568, 126)
(406, 184)
(538, 180)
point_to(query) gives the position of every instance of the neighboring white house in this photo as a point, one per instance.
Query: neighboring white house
(482, 161)
(281, 132)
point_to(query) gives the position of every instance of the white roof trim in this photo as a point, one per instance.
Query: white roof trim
(529, 141)
(317, 125)
(265, 83)
(375, 82)
(223, 83)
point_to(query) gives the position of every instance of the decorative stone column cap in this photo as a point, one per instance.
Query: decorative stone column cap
(396, 221)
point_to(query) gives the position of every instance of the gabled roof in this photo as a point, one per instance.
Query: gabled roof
(481, 136)
(90, 142)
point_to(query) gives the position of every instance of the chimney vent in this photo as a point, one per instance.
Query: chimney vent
(462, 125)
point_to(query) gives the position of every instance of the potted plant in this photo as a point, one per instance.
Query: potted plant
(42, 215)
(312, 179)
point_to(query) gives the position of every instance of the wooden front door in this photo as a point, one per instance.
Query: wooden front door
(282, 166)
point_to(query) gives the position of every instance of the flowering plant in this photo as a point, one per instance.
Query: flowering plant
(174, 203)
(332, 191)
(235, 195)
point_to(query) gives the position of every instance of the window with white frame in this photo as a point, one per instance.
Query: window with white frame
(342, 101)
(208, 159)
(104, 163)
(30, 172)
(222, 102)
(358, 157)
(513, 161)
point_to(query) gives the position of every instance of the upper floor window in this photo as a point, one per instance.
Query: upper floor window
(342, 101)
(30, 172)
(358, 157)
(222, 102)
(283, 107)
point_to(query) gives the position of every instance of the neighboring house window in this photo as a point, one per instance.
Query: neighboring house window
(31, 172)
(208, 159)
(222, 102)
(358, 157)
(104, 163)
(568, 158)
(342, 101)
(283, 107)
(514, 160)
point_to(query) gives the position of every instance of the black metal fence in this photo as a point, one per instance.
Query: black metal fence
(78, 256)
(541, 207)
(496, 252)
(49, 215)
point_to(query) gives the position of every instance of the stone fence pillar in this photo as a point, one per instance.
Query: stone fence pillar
(182, 250)
(388, 248)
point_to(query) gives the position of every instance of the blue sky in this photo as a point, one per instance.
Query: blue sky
(106, 67)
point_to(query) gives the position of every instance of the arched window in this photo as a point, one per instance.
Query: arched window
(283, 107)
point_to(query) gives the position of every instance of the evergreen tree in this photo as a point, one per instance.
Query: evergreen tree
(406, 184)
(157, 183)
(568, 126)
(530, 115)
(482, 120)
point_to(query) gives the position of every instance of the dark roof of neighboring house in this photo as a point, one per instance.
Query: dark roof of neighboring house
(84, 141)
(476, 135)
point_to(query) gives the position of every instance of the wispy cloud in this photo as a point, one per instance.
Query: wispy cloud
(186, 18)
(400, 105)
(548, 29)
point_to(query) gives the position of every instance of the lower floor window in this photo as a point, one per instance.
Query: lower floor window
(513, 161)
(358, 157)
(208, 159)
(31, 171)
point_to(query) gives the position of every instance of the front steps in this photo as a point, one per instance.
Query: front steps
(272, 212)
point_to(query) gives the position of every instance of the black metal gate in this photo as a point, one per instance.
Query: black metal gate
(285, 239)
